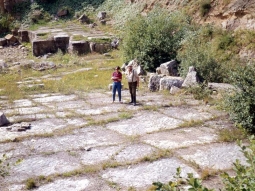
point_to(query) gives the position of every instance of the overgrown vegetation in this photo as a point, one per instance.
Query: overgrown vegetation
(241, 103)
(154, 39)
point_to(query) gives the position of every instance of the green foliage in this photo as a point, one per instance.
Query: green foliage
(201, 56)
(154, 39)
(195, 184)
(205, 7)
(4, 166)
(244, 180)
(5, 23)
(241, 104)
(226, 40)
(200, 92)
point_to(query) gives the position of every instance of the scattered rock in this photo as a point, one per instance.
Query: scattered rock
(191, 78)
(167, 82)
(169, 68)
(3, 119)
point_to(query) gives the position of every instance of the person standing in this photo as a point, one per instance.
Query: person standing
(116, 86)
(133, 82)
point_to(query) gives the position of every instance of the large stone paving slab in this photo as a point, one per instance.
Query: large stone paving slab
(101, 110)
(218, 156)
(80, 139)
(25, 111)
(182, 137)
(143, 175)
(187, 113)
(76, 184)
(143, 123)
(43, 165)
(23, 103)
(99, 155)
(55, 98)
(65, 105)
(134, 152)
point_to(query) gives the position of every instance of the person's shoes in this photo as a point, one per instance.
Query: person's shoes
(120, 102)
(134, 104)
(131, 102)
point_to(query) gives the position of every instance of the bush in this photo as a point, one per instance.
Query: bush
(241, 104)
(197, 51)
(5, 23)
(154, 39)
(205, 8)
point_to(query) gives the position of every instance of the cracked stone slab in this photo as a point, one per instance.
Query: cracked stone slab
(219, 156)
(47, 125)
(132, 153)
(43, 165)
(101, 110)
(78, 140)
(99, 155)
(143, 175)
(23, 103)
(181, 137)
(74, 184)
(54, 98)
(74, 104)
(187, 114)
(138, 126)
(25, 110)
(30, 117)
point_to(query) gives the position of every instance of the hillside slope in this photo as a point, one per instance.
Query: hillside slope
(229, 14)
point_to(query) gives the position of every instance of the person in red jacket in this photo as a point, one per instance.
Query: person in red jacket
(116, 86)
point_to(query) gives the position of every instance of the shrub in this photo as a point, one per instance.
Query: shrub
(226, 40)
(201, 56)
(5, 23)
(154, 39)
(205, 7)
(241, 104)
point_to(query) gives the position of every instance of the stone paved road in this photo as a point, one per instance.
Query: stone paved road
(79, 143)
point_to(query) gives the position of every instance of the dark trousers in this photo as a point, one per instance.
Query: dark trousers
(132, 89)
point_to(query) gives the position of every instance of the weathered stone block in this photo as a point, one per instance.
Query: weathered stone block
(3, 42)
(79, 47)
(62, 42)
(167, 82)
(41, 47)
(23, 36)
(154, 82)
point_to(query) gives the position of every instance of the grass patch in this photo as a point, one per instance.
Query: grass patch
(125, 115)
(207, 173)
(150, 107)
(30, 184)
(191, 123)
(231, 134)
(156, 155)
